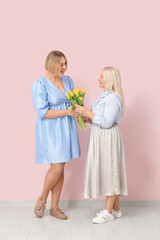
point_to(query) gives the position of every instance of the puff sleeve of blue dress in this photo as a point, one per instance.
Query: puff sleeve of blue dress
(56, 139)
(39, 97)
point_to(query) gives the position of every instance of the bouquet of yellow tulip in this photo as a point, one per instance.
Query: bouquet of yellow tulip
(76, 97)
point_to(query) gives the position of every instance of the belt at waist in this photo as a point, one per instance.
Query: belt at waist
(114, 124)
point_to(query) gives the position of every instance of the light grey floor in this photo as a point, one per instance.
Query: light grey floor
(140, 221)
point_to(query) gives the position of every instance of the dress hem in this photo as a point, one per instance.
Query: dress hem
(58, 161)
(105, 194)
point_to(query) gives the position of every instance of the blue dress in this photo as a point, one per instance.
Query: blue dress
(56, 138)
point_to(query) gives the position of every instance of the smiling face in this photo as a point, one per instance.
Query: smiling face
(63, 65)
(56, 63)
(102, 82)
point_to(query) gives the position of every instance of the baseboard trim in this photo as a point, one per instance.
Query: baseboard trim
(81, 203)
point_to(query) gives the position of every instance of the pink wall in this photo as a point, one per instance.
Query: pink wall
(92, 34)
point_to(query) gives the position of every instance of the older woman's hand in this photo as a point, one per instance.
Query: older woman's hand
(82, 109)
(87, 119)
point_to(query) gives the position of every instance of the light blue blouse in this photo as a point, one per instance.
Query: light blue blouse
(56, 139)
(107, 109)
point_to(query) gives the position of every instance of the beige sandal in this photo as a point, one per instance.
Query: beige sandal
(40, 208)
(58, 213)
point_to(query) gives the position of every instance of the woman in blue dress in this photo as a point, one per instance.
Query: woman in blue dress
(56, 133)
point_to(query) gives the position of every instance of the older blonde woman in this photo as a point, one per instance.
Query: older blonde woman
(56, 134)
(105, 169)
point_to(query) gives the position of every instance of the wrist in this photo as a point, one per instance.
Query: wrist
(68, 112)
(87, 112)
(90, 115)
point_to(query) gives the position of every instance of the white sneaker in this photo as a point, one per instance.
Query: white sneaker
(100, 212)
(117, 214)
(103, 217)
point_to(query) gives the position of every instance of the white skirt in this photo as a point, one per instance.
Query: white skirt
(105, 168)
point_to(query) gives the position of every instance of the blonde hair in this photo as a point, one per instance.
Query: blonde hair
(52, 63)
(113, 83)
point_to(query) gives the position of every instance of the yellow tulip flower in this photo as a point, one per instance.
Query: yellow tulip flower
(71, 93)
(81, 98)
(67, 95)
(78, 90)
(84, 92)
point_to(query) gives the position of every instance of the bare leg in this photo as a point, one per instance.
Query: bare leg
(109, 203)
(51, 178)
(116, 203)
(56, 191)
